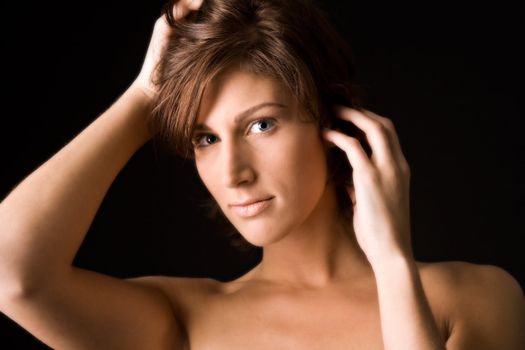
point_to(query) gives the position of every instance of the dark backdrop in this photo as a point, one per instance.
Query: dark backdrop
(449, 77)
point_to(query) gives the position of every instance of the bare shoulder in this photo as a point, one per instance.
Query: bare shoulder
(485, 305)
(461, 278)
(173, 284)
(183, 293)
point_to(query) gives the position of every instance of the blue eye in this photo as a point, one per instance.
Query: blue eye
(265, 123)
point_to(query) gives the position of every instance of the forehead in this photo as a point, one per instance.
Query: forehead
(235, 90)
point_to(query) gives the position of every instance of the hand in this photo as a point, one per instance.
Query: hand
(380, 191)
(157, 45)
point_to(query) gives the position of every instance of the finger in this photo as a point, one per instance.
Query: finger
(183, 7)
(195, 4)
(375, 132)
(392, 134)
(352, 147)
(180, 9)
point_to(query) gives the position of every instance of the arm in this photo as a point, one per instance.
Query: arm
(381, 221)
(489, 312)
(43, 221)
(486, 306)
(45, 218)
(42, 224)
(406, 318)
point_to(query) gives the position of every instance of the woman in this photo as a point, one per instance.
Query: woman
(238, 91)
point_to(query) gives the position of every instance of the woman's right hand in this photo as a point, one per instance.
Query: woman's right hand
(157, 45)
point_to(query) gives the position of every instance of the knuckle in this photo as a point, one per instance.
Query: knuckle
(404, 169)
(371, 174)
(395, 169)
(379, 127)
(404, 165)
(388, 123)
(391, 172)
(354, 141)
(345, 112)
(350, 141)
(407, 171)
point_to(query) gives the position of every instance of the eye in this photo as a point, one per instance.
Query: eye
(264, 122)
(208, 139)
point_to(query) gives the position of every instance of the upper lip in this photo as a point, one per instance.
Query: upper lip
(249, 201)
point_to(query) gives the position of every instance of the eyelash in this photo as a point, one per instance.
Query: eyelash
(198, 137)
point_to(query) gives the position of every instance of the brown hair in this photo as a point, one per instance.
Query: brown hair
(288, 40)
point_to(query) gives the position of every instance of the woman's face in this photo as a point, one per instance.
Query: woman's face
(253, 146)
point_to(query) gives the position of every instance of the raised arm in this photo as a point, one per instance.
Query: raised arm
(381, 221)
(44, 220)
(487, 305)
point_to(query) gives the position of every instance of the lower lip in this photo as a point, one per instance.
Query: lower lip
(250, 210)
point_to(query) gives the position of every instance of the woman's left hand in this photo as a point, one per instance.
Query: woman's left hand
(380, 191)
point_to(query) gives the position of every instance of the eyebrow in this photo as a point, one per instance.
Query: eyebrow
(243, 115)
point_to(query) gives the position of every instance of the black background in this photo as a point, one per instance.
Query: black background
(449, 77)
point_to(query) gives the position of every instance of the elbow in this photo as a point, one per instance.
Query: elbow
(12, 292)
(18, 281)
(19, 290)
(15, 285)
(12, 289)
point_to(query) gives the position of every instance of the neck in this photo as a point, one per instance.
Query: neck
(321, 251)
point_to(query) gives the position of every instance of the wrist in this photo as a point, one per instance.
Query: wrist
(140, 106)
(392, 260)
(147, 92)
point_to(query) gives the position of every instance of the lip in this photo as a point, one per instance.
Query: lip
(252, 208)
(248, 202)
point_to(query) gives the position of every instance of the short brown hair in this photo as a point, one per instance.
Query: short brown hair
(288, 40)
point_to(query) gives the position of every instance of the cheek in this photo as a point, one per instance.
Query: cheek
(302, 166)
(207, 171)
(293, 165)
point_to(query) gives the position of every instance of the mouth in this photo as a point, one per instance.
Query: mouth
(252, 208)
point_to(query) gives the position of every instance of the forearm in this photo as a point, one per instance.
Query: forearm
(45, 218)
(406, 319)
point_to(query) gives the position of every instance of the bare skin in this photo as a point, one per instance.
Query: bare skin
(250, 313)
(318, 286)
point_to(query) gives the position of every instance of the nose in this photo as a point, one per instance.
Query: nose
(235, 165)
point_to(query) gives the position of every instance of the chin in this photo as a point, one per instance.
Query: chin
(261, 238)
